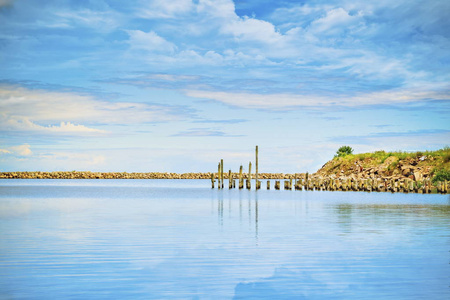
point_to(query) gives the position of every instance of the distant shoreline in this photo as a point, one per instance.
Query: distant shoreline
(133, 175)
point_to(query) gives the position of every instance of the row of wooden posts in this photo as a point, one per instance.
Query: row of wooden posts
(328, 184)
(405, 185)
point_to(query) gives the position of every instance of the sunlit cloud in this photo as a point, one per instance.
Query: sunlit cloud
(149, 41)
(20, 150)
(19, 123)
(41, 110)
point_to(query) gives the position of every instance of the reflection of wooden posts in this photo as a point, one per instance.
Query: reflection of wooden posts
(230, 180)
(249, 177)
(212, 180)
(241, 180)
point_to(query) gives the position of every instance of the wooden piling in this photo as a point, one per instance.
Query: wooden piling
(277, 184)
(221, 173)
(241, 180)
(212, 180)
(218, 176)
(249, 178)
(268, 184)
(287, 184)
(256, 167)
(230, 180)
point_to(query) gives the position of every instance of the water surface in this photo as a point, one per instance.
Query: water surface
(179, 239)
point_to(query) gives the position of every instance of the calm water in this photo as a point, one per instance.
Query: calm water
(179, 239)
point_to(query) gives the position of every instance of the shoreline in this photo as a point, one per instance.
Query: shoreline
(133, 175)
(299, 181)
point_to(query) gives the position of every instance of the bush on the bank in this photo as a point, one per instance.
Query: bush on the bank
(344, 151)
(441, 175)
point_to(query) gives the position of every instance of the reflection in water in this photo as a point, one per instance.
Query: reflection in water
(220, 207)
(252, 208)
(256, 217)
(174, 241)
(344, 214)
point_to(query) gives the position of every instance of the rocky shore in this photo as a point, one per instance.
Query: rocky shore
(126, 175)
(102, 175)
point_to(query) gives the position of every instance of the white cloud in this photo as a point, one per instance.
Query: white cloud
(164, 9)
(4, 151)
(149, 41)
(99, 20)
(283, 101)
(249, 29)
(20, 123)
(40, 110)
(221, 9)
(336, 21)
(21, 150)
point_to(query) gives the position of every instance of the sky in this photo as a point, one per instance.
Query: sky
(175, 86)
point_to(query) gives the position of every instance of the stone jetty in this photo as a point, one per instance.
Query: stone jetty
(102, 175)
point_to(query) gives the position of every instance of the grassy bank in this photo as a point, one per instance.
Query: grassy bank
(415, 165)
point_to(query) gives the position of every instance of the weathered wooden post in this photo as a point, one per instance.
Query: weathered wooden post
(230, 180)
(268, 184)
(241, 180)
(249, 178)
(277, 184)
(212, 180)
(221, 173)
(411, 186)
(218, 176)
(256, 168)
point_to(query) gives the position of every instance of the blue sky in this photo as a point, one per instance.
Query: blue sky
(111, 85)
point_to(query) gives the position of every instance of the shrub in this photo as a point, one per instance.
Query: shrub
(343, 151)
(441, 175)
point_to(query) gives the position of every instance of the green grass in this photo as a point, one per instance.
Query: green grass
(437, 159)
(441, 154)
(441, 175)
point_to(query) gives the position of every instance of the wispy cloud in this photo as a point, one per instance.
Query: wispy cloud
(39, 110)
(20, 150)
(160, 9)
(229, 121)
(284, 101)
(150, 41)
(19, 123)
(204, 132)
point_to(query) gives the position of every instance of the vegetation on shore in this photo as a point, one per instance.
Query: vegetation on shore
(415, 165)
